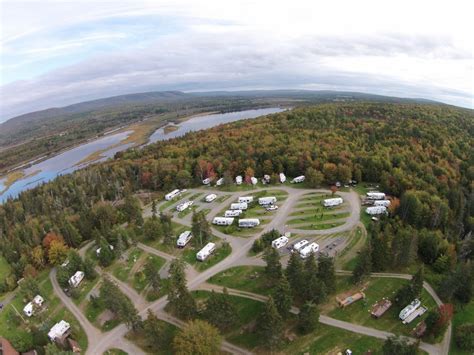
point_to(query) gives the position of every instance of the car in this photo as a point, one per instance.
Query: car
(272, 208)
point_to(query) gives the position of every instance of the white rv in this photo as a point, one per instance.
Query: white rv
(220, 182)
(405, 313)
(232, 213)
(182, 206)
(282, 178)
(266, 179)
(76, 279)
(172, 195)
(210, 198)
(298, 179)
(280, 242)
(222, 221)
(204, 253)
(246, 199)
(238, 180)
(375, 195)
(299, 245)
(59, 330)
(308, 250)
(375, 210)
(206, 181)
(254, 180)
(264, 201)
(239, 206)
(385, 203)
(30, 307)
(249, 222)
(331, 202)
(183, 239)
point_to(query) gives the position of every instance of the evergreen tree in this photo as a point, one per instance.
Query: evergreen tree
(326, 273)
(363, 266)
(89, 270)
(417, 283)
(220, 311)
(167, 228)
(154, 331)
(270, 324)
(152, 275)
(106, 255)
(273, 269)
(152, 229)
(198, 338)
(153, 209)
(295, 275)
(399, 346)
(283, 298)
(308, 318)
(200, 229)
(180, 300)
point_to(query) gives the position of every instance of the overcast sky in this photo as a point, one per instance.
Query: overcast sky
(55, 53)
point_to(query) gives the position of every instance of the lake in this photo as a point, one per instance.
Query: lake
(68, 161)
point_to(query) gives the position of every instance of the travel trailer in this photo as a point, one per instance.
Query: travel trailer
(405, 312)
(298, 179)
(206, 181)
(280, 242)
(204, 253)
(308, 250)
(30, 307)
(222, 221)
(238, 180)
(254, 180)
(249, 222)
(375, 195)
(270, 200)
(172, 195)
(183, 239)
(232, 213)
(210, 198)
(266, 179)
(385, 203)
(59, 330)
(331, 202)
(375, 210)
(282, 178)
(76, 279)
(182, 206)
(239, 206)
(246, 199)
(299, 245)
(220, 182)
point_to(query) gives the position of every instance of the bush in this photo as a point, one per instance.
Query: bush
(464, 336)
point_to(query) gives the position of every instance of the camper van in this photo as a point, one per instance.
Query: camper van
(298, 179)
(239, 206)
(210, 198)
(183, 239)
(282, 178)
(204, 253)
(375, 195)
(375, 210)
(331, 202)
(405, 313)
(220, 182)
(264, 201)
(385, 203)
(232, 213)
(249, 222)
(280, 242)
(246, 199)
(59, 331)
(222, 221)
(182, 206)
(308, 250)
(238, 180)
(172, 195)
(299, 245)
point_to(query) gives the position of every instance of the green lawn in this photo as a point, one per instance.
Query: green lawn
(121, 269)
(5, 268)
(221, 198)
(221, 252)
(246, 278)
(321, 226)
(115, 352)
(139, 282)
(463, 314)
(316, 218)
(84, 288)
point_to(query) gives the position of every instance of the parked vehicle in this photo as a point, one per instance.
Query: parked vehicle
(280, 242)
(375, 210)
(299, 245)
(375, 195)
(222, 221)
(254, 180)
(204, 253)
(182, 206)
(405, 312)
(282, 178)
(210, 197)
(309, 249)
(246, 199)
(264, 201)
(233, 213)
(206, 181)
(272, 208)
(183, 239)
(331, 202)
(298, 179)
(238, 180)
(219, 182)
(239, 206)
(172, 194)
(385, 203)
(249, 222)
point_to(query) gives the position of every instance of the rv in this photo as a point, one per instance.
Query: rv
(206, 181)
(97, 251)
(204, 253)
(266, 179)
(246, 199)
(298, 179)
(417, 313)
(272, 208)
(405, 313)
(249, 222)
(239, 206)
(59, 330)
(76, 279)
(30, 307)
(254, 180)
(375, 195)
(331, 202)
(222, 221)
(385, 203)
(232, 213)
(183, 239)
(308, 250)
(299, 245)
(172, 195)
(375, 210)
(282, 178)
(182, 206)
(220, 182)
(280, 242)
(238, 180)
(270, 200)
(210, 198)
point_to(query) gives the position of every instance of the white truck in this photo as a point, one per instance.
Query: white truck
(376, 210)
(375, 195)
(385, 203)
(299, 245)
(249, 222)
(246, 199)
(282, 178)
(280, 242)
(238, 180)
(232, 213)
(219, 182)
(204, 253)
(210, 197)
(182, 206)
(309, 249)
(239, 206)
(183, 239)
(331, 202)
(405, 312)
(254, 180)
(222, 221)
(264, 201)
(298, 179)
(172, 194)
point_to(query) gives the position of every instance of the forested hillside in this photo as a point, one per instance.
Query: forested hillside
(422, 154)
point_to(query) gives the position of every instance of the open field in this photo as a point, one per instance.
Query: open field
(222, 251)
(463, 314)
(245, 278)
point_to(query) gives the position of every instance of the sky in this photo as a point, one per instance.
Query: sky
(55, 53)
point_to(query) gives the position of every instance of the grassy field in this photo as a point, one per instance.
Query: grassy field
(221, 252)
(462, 315)
(115, 352)
(316, 218)
(321, 226)
(121, 269)
(5, 268)
(246, 278)
(139, 282)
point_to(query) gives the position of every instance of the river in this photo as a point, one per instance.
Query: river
(68, 161)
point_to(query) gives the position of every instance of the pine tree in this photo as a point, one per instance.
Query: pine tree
(326, 273)
(220, 311)
(283, 298)
(270, 324)
(180, 300)
(153, 209)
(273, 268)
(167, 228)
(308, 318)
(201, 229)
(363, 265)
(295, 275)
(152, 275)
(106, 255)
(154, 331)
(417, 283)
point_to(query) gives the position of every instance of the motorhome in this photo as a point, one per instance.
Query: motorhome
(309, 249)
(280, 242)
(249, 222)
(270, 200)
(385, 203)
(299, 245)
(405, 312)
(331, 202)
(238, 180)
(206, 181)
(222, 221)
(172, 195)
(417, 313)
(298, 179)
(182, 206)
(246, 199)
(210, 198)
(239, 206)
(30, 307)
(271, 208)
(375, 210)
(282, 178)
(59, 330)
(375, 195)
(204, 253)
(220, 181)
(254, 180)
(232, 213)
(76, 279)
(183, 239)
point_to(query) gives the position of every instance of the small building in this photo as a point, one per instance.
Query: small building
(238, 180)
(246, 199)
(239, 206)
(172, 195)
(204, 253)
(376, 210)
(29, 309)
(254, 180)
(373, 195)
(331, 202)
(351, 299)
(282, 178)
(219, 182)
(76, 279)
(249, 222)
(232, 213)
(223, 221)
(280, 242)
(298, 179)
(210, 197)
(420, 329)
(309, 249)
(379, 308)
(264, 201)
(59, 332)
(183, 239)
